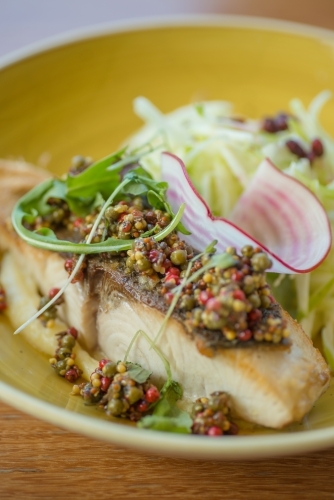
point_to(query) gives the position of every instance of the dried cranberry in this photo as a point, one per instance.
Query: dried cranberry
(317, 147)
(296, 148)
(269, 125)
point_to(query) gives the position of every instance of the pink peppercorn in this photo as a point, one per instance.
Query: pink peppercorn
(214, 431)
(213, 304)
(103, 362)
(142, 406)
(239, 295)
(152, 394)
(245, 335)
(204, 296)
(105, 383)
(73, 331)
(53, 292)
(71, 375)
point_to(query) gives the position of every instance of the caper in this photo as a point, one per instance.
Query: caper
(64, 352)
(109, 369)
(115, 407)
(67, 341)
(178, 257)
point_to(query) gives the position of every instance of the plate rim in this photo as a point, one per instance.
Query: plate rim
(145, 23)
(167, 444)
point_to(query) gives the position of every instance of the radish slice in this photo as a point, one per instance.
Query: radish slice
(276, 213)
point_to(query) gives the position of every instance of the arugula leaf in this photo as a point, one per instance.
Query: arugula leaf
(96, 178)
(167, 416)
(155, 200)
(181, 423)
(137, 372)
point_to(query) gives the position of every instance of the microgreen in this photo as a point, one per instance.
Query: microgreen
(166, 415)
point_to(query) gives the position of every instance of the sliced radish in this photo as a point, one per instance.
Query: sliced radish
(276, 213)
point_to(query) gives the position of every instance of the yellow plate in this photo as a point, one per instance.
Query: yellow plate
(74, 95)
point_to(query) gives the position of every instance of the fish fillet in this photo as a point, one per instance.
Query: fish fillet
(271, 386)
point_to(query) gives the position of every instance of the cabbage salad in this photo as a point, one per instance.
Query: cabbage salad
(222, 153)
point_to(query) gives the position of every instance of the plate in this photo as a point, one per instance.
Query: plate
(74, 95)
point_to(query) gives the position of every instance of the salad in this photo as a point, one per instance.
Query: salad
(223, 152)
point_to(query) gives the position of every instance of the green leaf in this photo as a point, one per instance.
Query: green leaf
(137, 372)
(155, 200)
(47, 232)
(135, 188)
(211, 248)
(180, 424)
(96, 178)
(167, 416)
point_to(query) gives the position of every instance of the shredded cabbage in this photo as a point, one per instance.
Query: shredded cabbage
(221, 155)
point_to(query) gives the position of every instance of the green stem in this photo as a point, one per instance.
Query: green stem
(155, 348)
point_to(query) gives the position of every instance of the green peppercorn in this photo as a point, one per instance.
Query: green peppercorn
(129, 263)
(61, 367)
(265, 302)
(67, 341)
(187, 302)
(254, 300)
(115, 407)
(142, 264)
(247, 251)
(260, 262)
(212, 320)
(111, 214)
(64, 352)
(109, 369)
(178, 257)
(134, 394)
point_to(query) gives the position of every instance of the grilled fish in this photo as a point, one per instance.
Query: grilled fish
(269, 385)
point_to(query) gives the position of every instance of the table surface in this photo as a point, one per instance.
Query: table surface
(40, 461)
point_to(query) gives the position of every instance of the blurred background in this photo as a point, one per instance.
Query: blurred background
(23, 22)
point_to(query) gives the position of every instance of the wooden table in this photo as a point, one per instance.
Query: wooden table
(40, 461)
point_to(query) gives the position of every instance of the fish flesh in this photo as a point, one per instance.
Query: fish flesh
(268, 385)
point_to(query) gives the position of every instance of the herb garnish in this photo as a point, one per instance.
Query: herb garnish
(102, 180)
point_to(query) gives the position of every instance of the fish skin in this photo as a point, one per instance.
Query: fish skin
(268, 386)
